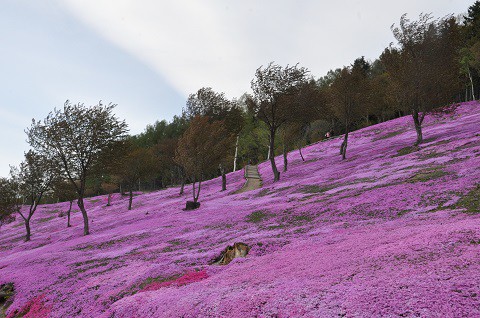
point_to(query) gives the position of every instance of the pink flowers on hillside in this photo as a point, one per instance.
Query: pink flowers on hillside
(390, 231)
(188, 278)
(35, 308)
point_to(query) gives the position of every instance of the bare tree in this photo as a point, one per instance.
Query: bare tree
(9, 204)
(138, 163)
(76, 136)
(64, 191)
(426, 66)
(33, 178)
(348, 94)
(206, 102)
(272, 87)
(201, 149)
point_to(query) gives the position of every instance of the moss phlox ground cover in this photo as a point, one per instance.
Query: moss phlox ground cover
(387, 232)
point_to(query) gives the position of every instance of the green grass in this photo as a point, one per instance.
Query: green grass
(47, 219)
(176, 242)
(431, 155)
(406, 151)
(313, 189)
(302, 219)
(141, 285)
(389, 135)
(471, 201)
(402, 212)
(427, 175)
(262, 193)
(258, 216)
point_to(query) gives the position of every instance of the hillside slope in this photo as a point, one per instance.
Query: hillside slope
(391, 231)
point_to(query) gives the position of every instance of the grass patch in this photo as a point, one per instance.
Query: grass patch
(427, 175)
(47, 219)
(101, 245)
(258, 216)
(141, 285)
(389, 135)
(176, 242)
(468, 145)
(471, 201)
(402, 212)
(313, 189)
(431, 155)
(302, 218)
(405, 151)
(262, 193)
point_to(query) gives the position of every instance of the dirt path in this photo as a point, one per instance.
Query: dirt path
(254, 181)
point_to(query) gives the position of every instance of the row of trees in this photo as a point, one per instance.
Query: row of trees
(79, 151)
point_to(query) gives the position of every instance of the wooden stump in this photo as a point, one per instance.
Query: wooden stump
(191, 205)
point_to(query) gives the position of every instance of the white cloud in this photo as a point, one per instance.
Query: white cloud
(220, 43)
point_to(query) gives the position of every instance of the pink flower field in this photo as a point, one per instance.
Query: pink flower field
(393, 231)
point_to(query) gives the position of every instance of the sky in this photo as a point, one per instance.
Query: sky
(148, 56)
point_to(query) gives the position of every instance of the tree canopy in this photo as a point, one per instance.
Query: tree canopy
(77, 136)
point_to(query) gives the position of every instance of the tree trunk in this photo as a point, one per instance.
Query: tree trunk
(68, 214)
(471, 83)
(285, 159)
(109, 199)
(196, 194)
(224, 177)
(81, 205)
(27, 227)
(193, 185)
(198, 191)
(236, 155)
(276, 173)
(300, 151)
(183, 178)
(130, 199)
(418, 127)
(182, 187)
(343, 147)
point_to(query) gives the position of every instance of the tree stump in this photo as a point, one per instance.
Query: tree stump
(230, 252)
(191, 205)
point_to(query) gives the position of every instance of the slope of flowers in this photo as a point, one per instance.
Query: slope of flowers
(383, 233)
